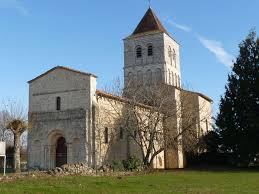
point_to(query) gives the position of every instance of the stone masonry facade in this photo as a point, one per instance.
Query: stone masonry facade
(68, 115)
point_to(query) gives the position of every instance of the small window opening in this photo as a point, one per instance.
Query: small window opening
(174, 57)
(139, 52)
(106, 137)
(150, 50)
(58, 103)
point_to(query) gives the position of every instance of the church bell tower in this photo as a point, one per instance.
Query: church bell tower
(151, 55)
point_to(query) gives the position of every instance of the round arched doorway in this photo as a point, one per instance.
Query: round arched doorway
(61, 152)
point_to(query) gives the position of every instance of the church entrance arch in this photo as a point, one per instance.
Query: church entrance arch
(61, 152)
(56, 152)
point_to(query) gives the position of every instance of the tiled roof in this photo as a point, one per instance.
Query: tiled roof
(149, 22)
(120, 99)
(197, 93)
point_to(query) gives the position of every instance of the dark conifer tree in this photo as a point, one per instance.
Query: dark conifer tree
(238, 118)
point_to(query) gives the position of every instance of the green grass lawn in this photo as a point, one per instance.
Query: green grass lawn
(160, 182)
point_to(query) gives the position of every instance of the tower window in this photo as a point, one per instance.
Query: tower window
(130, 78)
(106, 137)
(158, 75)
(172, 78)
(150, 50)
(139, 52)
(58, 103)
(149, 77)
(170, 55)
(139, 78)
(174, 57)
(169, 76)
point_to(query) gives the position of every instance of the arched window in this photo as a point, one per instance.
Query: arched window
(106, 135)
(158, 76)
(58, 103)
(139, 52)
(76, 149)
(174, 57)
(169, 77)
(150, 50)
(140, 78)
(149, 77)
(170, 55)
(172, 78)
(130, 78)
(121, 133)
(36, 154)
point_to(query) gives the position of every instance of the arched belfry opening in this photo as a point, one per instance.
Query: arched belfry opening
(61, 152)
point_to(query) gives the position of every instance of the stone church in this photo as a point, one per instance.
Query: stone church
(63, 101)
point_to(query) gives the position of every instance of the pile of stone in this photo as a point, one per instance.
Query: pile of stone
(73, 169)
(105, 169)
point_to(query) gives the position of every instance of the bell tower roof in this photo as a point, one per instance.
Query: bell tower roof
(149, 22)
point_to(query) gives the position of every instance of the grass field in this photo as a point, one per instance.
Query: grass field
(161, 182)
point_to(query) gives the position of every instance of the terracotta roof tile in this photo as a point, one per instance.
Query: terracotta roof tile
(119, 98)
(149, 22)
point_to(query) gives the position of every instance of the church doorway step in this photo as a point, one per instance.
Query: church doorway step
(61, 152)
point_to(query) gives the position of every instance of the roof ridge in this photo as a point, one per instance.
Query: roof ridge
(64, 68)
(119, 98)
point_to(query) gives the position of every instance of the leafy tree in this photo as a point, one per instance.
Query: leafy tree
(211, 142)
(238, 118)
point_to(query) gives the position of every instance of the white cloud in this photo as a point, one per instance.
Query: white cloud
(180, 26)
(217, 49)
(213, 46)
(14, 4)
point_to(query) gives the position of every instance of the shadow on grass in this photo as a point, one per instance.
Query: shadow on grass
(214, 168)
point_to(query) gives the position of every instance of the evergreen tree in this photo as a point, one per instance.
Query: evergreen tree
(238, 118)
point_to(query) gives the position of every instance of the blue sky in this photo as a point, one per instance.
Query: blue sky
(87, 35)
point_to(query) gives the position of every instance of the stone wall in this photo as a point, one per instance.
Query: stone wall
(109, 116)
(159, 63)
(49, 126)
(73, 88)
(172, 64)
(74, 120)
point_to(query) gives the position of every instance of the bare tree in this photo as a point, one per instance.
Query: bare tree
(3, 121)
(15, 120)
(157, 118)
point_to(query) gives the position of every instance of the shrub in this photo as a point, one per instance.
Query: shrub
(117, 165)
(133, 163)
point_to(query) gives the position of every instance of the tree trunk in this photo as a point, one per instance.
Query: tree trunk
(17, 160)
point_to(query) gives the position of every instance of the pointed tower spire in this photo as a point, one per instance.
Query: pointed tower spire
(149, 22)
